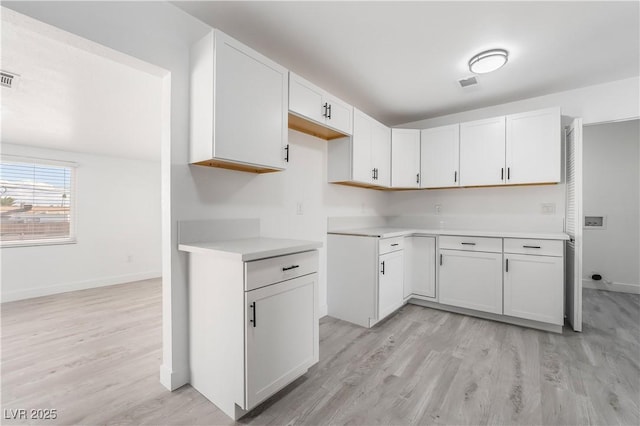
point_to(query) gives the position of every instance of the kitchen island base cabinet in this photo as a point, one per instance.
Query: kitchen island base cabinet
(245, 344)
(471, 280)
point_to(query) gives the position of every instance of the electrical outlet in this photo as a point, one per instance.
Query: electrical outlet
(438, 209)
(548, 208)
(299, 208)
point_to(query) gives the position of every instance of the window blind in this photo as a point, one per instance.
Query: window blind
(36, 201)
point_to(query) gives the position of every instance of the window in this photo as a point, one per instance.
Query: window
(36, 201)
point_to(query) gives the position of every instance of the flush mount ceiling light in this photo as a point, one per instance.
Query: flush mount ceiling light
(487, 61)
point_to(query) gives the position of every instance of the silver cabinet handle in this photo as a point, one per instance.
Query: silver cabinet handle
(507, 265)
(395, 244)
(531, 247)
(440, 260)
(468, 244)
(288, 268)
(325, 106)
(382, 267)
(455, 176)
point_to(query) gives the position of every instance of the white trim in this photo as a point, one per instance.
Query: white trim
(10, 158)
(43, 242)
(173, 380)
(611, 286)
(79, 285)
(323, 311)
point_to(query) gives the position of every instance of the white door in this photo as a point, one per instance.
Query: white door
(305, 98)
(573, 281)
(440, 157)
(482, 152)
(390, 283)
(361, 148)
(533, 287)
(381, 153)
(534, 147)
(405, 158)
(471, 280)
(420, 266)
(339, 114)
(281, 335)
(251, 105)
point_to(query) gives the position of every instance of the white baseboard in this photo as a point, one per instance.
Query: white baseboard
(172, 380)
(619, 287)
(79, 285)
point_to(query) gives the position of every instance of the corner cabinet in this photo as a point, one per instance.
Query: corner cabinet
(363, 159)
(239, 107)
(314, 111)
(420, 267)
(253, 325)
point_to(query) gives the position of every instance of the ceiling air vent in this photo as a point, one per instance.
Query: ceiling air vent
(466, 82)
(7, 79)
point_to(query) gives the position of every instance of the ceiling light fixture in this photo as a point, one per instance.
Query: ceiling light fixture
(487, 61)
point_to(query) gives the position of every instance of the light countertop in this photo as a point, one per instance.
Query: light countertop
(401, 232)
(249, 249)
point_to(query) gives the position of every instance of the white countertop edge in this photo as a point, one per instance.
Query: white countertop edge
(397, 232)
(250, 248)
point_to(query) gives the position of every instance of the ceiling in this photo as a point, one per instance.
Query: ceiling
(76, 95)
(400, 61)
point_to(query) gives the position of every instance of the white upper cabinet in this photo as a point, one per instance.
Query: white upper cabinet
(533, 149)
(363, 159)
(440, 157)
(482, 152)
(239, 106)
(311, 102)
(405, 158)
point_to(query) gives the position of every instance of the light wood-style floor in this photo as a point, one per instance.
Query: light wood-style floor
(94, 355)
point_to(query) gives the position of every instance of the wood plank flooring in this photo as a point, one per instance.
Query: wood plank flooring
(94, 356)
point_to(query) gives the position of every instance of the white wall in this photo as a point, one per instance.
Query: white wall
(611, 188)
(118, 215)
(616, 100)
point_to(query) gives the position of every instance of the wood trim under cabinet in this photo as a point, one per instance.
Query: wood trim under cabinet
(224, 164)
(314, 129)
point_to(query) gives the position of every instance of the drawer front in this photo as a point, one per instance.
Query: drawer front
(531, 246)
(259, 273)
(492, 245)
(387, 245)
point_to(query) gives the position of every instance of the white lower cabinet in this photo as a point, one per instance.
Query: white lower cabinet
(253, 326)
(471, 279)
(281, 335)
(390, 282)
(533, 284)
(420, 267)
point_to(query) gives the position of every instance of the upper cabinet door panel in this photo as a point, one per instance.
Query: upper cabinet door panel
(482, 152)
(339, 115)
(405, 158)
(381, 153)
(305, 98)
(440, 157)
(251, 105)
(362, 169)
(534, 147)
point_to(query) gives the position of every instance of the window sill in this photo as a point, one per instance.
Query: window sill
(35, 243)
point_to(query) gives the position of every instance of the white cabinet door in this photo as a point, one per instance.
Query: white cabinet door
(390, 283)
(381, 153)
(362, 168)
(482, 152)
(440, 157)
(533, 287)
(405, 158)
(471, 280)
(534, 147)
(281, 335)
(251, 105)
(339, 114)
(305, 98)
(420, 266)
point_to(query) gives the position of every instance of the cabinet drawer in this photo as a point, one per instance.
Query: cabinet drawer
(260, 273)
(493, 245)
(530, 246)
(387, 245)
